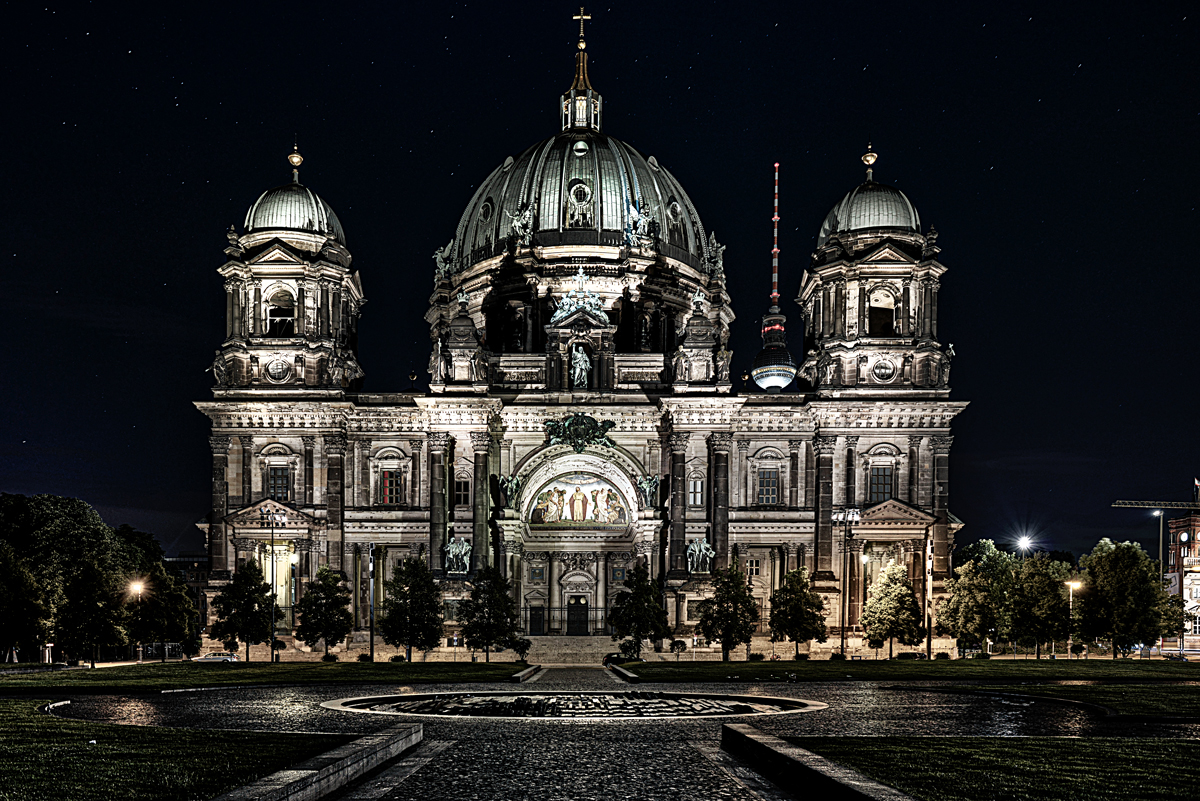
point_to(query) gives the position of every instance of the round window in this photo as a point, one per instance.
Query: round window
(278, 370)
(674, 212)
(485, 211)
(580, 193)
(580, 148)
(884, 370)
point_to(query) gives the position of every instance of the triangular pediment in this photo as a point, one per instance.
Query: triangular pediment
(888, 253)
(584, 316)
(255, 516)
(276, 254)
(895, 511)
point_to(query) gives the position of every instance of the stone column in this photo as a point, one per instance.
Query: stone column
(414, 490)
(335, 450)
(677, 555)
(862, 310)
(300, 321)
(839, 308)
(851, 469)
(934, 285)
(855, 585)
(941, 504)
(720, 441)
(229, 306)
(238, 308)
(335, 311)
(743, 446)
(256, 309)
(481, 546)
(794, 446)
(906, 309)
(309, 442)
(554, 614)
(247, 445)
(792, 556)
(601, 589)
(810, 476)
(217, 549)
(927, 307)
(438, 440)
(824, 507)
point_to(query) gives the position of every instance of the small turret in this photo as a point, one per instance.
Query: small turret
(774, 367)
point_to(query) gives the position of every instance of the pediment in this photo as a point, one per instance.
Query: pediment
(895, 511)
(583, 316)
(276, 253)
(888, 253)
(254, 517)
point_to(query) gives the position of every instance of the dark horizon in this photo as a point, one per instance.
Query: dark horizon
(1047, 148)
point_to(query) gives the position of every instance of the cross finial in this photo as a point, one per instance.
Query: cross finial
(581, 17)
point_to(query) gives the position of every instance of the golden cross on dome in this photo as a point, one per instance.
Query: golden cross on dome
(581, 17)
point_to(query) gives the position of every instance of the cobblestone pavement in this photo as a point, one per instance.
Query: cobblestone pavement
(643, 759)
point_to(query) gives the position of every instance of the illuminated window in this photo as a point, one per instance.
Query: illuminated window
(281, 315)
(462, 491)
(279, 484)
(881, 483)
(752, 567)
(1196, 626)
(696, 492)
(389, 487)
(768, 486)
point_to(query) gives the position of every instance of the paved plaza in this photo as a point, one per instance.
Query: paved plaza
(619, 758)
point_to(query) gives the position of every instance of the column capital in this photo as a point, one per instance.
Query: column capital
(481, 440)
(438, 440)
(335, 444)
(941, 445)
(743, 446)
(679, 441)
(245, 440)
(824, 444)
(795, 445)
(415, 445)
(720, 440)
(309, 443)
(915, 441)
(219, 445)
(852, 441)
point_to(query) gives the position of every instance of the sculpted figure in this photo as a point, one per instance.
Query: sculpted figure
(578, 506)
(580, 366)
(721, 363)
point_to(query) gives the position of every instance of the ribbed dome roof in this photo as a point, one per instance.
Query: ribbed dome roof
(294, 207)
(870, 205)
(579, 187)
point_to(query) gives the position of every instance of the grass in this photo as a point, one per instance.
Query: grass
(979, 670)
(152, 677)
(1126, 699)
(1041, 768)
(42, 756)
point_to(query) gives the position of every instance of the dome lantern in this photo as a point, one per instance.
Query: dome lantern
(581, 104)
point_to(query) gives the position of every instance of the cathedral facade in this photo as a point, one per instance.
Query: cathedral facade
(580, 417)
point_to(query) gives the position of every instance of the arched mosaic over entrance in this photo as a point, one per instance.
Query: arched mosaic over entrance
(579, 500)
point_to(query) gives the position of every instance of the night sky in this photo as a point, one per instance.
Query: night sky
(1053, 150)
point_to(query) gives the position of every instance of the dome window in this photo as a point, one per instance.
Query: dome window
(281, 315)
(485, 211)
(580, 149)
(881, 319)
(579, 197)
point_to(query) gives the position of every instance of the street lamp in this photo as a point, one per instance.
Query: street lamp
(137, 588)
(270, 519)
(1158, 513)
(1024, 544)
(1073, 585)
(845, 517)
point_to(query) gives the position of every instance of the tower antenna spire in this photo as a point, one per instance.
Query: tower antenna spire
(775, 247)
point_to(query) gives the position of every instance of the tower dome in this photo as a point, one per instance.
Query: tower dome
(294, 207)
(870, 205)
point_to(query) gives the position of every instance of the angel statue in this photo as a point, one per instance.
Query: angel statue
(581, 365)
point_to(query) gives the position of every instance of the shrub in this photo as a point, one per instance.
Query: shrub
(837, 656)
(910, 655)
(397, 658)
(329, 658)
(981, 655)
(521, 645)
(1077, 648)
(630, 649)
(756, 657)
(365, 657)
(941, 655)
(279, 645)
(801, 657)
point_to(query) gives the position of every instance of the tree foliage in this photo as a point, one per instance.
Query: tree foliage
(164, 613)
(1122, 598)
(638, 613)
(412, 608)
(978, 605)
(892, 611)
(1039, 599)
(489, 616)
(324, 611)
(244, 609)
(729, 617)
(92, 614)
(24, 617)
(797, 611)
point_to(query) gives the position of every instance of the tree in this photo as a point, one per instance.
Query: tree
(324, 611)
(244, 609)
(797, 611)
(164, 612)
(892, 612)
(23, 613)
(978, 605)
(489, 616)
(1122, 598)
(638, 613)
(412, 608)
(730, 615)
(1039, 599)
(91, 615)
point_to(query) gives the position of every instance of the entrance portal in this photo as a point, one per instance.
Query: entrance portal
(577, 614)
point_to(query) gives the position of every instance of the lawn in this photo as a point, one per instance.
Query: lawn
(1019, 768)
(979, 670)
(152, 677)
(1125, 699)
(42, 756)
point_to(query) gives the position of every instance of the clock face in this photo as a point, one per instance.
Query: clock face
(278, 370)
(884, 370)
(1183, 537)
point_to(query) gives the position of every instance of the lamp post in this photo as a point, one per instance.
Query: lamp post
(137, 588)
(271, 518)
(845, 516)
(1158, 513)
(1072, 585)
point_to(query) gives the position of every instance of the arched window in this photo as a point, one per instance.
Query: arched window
(696, 489)
(881, 314)
(462, 489)
(281, 314)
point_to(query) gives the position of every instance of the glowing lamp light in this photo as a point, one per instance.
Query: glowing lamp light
(1074, 584)
(1025, 543)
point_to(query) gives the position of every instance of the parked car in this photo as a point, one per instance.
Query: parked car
(1174, 657)
(218, 656)
(615, 656)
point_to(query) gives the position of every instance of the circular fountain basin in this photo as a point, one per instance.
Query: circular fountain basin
(558, 705)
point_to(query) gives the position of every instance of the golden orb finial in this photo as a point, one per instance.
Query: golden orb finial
(870, 156)
(294, 158)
